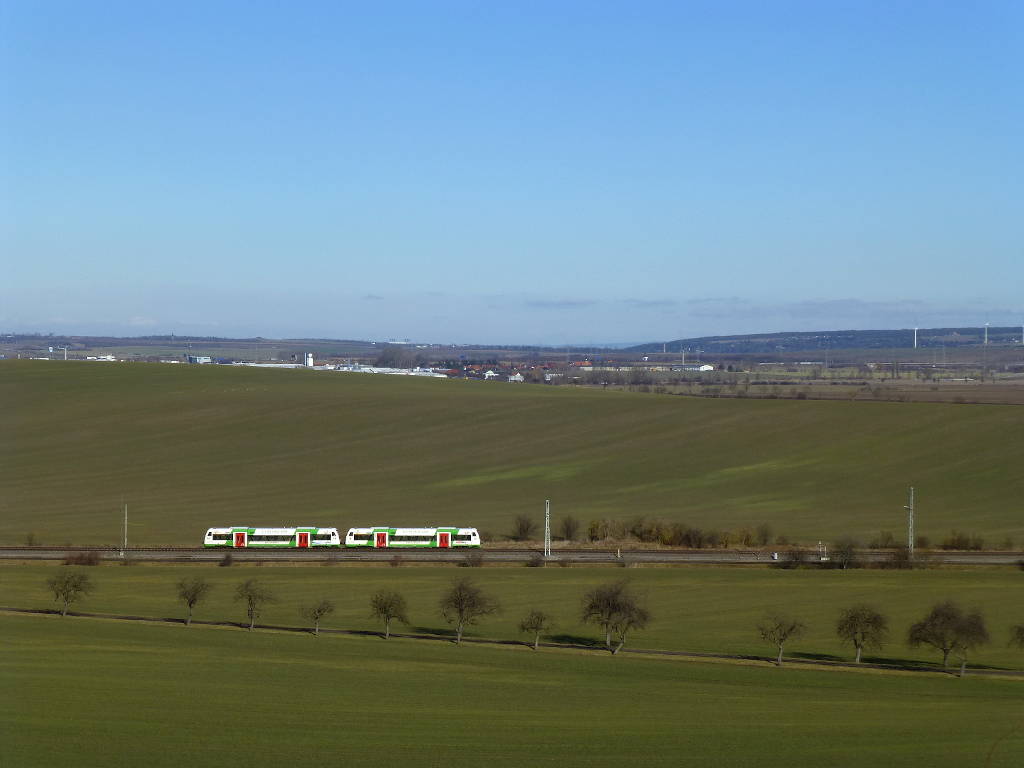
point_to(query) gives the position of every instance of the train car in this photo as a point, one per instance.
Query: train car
(300, 537)
(381, 537)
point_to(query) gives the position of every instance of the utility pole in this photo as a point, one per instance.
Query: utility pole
(910, 523)
(124, 539)
(547, 528)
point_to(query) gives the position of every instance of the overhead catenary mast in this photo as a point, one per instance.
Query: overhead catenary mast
(910, 523)
(124, 538)
(547, 528)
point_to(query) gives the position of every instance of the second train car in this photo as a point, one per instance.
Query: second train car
(381, 537)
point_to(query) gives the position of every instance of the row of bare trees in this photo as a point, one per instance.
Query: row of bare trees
(948, 628)
(615, 607)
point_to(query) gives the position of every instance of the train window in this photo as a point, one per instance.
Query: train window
(361, 537)
(463, 537)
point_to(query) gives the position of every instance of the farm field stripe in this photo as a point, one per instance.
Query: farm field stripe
(249, 440)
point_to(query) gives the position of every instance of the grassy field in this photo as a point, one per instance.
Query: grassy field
(712, 610)
(191, 446)
(91, 692)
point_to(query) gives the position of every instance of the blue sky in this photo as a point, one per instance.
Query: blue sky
(532, 173)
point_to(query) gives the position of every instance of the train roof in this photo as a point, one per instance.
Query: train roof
(230, 528)
(410, 531)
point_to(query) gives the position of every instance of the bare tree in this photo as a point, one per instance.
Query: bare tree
(398, 356)
(844, 554)
(947, 628)
(255, 595)
(973, 634)
(764, 534)
(937, 629)
(569, 528)
(863, 626)
(617, 610)
(316, 612)
(1017, 635)
(778, 629)
(68, 587)
(535, 622)
(387, 607)
(191, 592)
(474, 559)
(524, 528)
(463, 604)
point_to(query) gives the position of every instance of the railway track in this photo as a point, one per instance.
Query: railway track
(665, 556)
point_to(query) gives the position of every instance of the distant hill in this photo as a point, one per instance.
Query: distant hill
(811, 341)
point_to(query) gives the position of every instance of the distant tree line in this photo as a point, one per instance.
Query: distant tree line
(646, 530)
(658, 531)
(400, 356)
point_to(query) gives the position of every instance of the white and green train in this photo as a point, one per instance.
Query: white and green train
(301, 537)
(381, 537)
(376, 537)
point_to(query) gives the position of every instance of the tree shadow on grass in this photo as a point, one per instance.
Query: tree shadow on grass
(566, 639)
(439, 631)
(936, 664)
(817, 656)
(898, 662)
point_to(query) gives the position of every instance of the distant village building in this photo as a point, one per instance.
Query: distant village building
(517, 377)
(698, 367)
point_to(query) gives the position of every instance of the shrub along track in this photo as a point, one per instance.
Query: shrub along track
(805, 662)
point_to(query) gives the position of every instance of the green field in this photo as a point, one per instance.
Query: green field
(193, 446)
(702, 609)
(97, 693)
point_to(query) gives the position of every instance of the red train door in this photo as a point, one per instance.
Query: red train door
(303, 539)
(382, 540)
(444, 540)
(239, 538)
